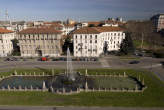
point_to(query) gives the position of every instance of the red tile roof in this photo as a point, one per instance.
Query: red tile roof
(109, 29)
(95, 23)
(87, 30)
(54, 24)
(97, 30)
(69, 25)
(40, 31)
(3, 31)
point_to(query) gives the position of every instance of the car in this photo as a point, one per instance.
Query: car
(134, 62)
(24, 59)
(7, 59)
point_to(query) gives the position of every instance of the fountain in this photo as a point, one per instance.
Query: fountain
(70, 80)
(69, 72)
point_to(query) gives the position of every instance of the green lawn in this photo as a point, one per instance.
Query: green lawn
(137, 44)
(114, 82)
(153, 96)
(31, 71)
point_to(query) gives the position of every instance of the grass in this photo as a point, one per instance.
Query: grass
(153, 96)
(31, 71)
(137, 44)
(114, 82)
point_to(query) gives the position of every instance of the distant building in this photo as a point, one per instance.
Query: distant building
(38, 23)
(158, 21)
(65, 28)
(69, 21)
(14, 26)
(91, 41)
(68, 28)
(6, 46)
(35, 42)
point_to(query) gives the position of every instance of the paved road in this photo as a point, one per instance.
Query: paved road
(74, 108)
(113, 62)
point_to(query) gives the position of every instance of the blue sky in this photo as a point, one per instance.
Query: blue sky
(80, 9)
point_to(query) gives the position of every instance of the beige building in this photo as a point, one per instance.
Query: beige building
(6, 46)
(35, 42)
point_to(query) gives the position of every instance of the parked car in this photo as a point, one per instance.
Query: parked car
(134, 62)
(7, 59)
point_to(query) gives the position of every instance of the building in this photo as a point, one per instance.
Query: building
(35, 42)
(68, 28)
(69, 21)
(6, 46)
(64, 28)
(90, 41)
(158, 21)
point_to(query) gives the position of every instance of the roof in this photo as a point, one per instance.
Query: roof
(69, 25)
(113, 22)
(54, 24)
(40, 31)
(95, 23)
(97, 30)
(3, 31)
(87, 30)
(109, 29)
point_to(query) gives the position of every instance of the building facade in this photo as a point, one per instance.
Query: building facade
(158, 21)
(91, 41)
(6, 46)
(36, 42)
(68, 28)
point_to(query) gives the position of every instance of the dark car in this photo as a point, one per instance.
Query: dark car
(7, 59)
(134, 62)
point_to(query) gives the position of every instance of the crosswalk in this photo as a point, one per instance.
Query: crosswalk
(104, 63)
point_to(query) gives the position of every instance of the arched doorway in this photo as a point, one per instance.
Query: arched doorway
(39, 52)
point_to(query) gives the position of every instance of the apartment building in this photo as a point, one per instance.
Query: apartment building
(90, 41)
(158, 21)
(35, 42)
(6, 46)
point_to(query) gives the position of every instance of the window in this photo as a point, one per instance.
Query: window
(85, 36)
(90, 41)
(95, 36)
(90, 36)
(81, 37)
(95, 41)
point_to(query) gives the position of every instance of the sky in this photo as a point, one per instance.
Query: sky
(80, 10)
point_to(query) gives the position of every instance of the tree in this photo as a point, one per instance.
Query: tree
(68, 43)
(127, 46)
(91, 25)
(16, 48)
(105, 48)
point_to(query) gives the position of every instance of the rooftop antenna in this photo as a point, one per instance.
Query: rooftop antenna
(79, 20)
(7, 16)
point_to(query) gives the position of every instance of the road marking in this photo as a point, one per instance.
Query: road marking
(104, 63)
(153, 66)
